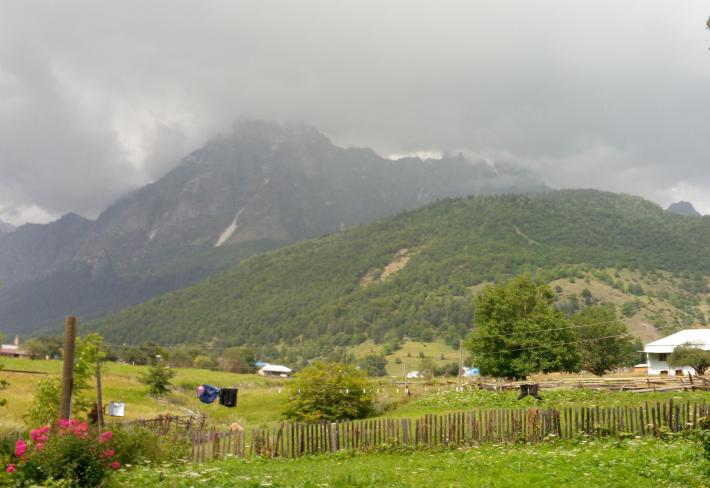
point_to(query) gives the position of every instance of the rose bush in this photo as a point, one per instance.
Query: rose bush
(67, 451)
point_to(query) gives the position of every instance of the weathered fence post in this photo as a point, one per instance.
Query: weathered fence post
(67, 367)
(334, 437)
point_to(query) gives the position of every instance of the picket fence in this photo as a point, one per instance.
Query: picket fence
(294, 439)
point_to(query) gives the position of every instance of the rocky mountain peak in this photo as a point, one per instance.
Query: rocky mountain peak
(684, 208)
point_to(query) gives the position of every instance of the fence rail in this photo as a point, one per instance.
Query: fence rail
(293, 440)
(168, 423)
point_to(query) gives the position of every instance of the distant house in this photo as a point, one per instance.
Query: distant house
(412, 375)
(12, 350)
(657, 352)
(275, 370)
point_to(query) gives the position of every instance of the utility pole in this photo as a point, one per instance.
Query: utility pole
(67, 368)
(404, 368)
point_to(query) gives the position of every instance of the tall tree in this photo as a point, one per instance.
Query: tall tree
(604, 342)
(518, 331)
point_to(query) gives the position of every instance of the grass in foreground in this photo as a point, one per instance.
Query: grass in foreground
(609, 463)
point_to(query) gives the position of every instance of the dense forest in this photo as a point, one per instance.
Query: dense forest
(413, 274)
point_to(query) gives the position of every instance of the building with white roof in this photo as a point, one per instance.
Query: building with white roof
(657, 352)
(275, 370)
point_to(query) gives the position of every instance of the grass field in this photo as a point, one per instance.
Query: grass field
(260, 399)
(608, 463)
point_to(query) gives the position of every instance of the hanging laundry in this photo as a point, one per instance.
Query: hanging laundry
(228, 397)
(207, 393)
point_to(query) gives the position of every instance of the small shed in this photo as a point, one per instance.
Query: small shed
(412, 375)
(275, 370)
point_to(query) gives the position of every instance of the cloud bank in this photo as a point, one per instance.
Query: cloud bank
(97, 99)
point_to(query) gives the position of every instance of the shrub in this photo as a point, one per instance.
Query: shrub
(157, 378)
(137, 445)
(330, 391)
(45, 408)
(68, 451)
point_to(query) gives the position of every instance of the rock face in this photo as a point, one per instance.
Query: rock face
(684, 208)
(261, 186)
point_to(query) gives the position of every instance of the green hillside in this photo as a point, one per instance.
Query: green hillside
(413, 275)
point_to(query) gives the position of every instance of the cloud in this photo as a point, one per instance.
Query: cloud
(97, 98)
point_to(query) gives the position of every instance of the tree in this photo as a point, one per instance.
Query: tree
(604, 343)
(157, 378)
(518, 331)
(203, 361)
(426, 368)
(690, 354)
(374, 365)
(238, 359)
(89, 351)
(43, 347)
(329, 391)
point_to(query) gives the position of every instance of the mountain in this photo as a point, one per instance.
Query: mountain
(6, 228)
(684, 208)
(414, 274)
(261, 186)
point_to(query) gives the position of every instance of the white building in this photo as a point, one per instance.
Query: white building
(275, 370)
(657, 352)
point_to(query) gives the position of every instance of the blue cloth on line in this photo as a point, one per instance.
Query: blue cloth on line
(207, 393)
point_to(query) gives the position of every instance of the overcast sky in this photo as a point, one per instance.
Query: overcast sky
(99, 98)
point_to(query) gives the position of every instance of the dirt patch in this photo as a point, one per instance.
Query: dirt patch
(377, 275)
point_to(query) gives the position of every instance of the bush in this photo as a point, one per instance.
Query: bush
(137, 445)
(69, 451)
(45, 408)
(330, 391)
(157, 378)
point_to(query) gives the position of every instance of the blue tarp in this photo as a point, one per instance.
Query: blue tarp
(472, 372)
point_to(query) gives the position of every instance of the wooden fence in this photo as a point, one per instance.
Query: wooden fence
(168, 423)
(292, 440)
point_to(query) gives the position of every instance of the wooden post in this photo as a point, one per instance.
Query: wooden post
(99, 397)
(68, 367)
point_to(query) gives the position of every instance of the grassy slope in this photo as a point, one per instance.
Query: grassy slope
(311, 291)
(260, 399)
(634, 463)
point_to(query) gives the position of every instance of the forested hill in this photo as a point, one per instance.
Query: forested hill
(413, 274)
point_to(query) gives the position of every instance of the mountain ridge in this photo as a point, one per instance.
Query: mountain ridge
(261, 186)
(334, 291)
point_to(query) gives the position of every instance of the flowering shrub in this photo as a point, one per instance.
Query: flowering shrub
(67, 451)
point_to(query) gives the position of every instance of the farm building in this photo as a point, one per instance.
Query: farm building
(657, 352)
(12, 350)
(275, 370)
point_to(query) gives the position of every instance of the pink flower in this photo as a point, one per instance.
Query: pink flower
(115, 465)
(40, 435)
(108, 454)
(106, 436)
(39, 446)
(10, 468)
(20, 447)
